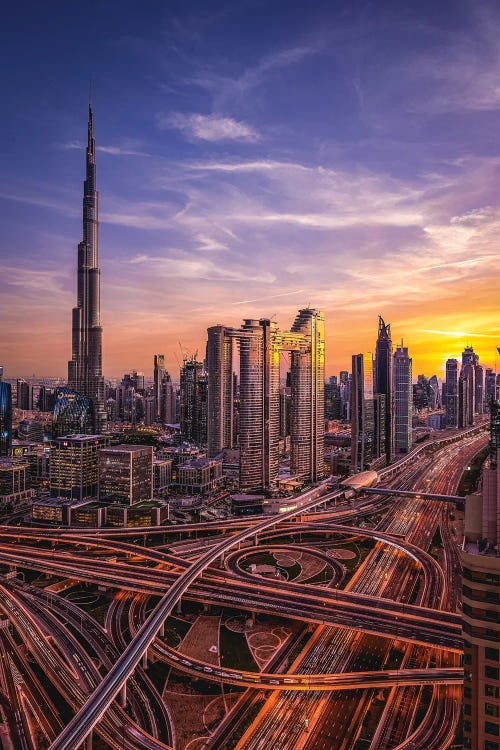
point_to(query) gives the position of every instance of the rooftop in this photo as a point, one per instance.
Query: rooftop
(124, 448)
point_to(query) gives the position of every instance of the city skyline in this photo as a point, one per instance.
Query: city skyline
(231, 188)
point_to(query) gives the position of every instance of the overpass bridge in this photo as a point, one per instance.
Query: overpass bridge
(407, 493)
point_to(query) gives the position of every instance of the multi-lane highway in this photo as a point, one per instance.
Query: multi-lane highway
(400, 601)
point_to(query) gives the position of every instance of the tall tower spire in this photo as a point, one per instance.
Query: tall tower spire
(85, 366)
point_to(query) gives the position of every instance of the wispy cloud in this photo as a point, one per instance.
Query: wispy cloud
(270, 296)
(461, 334)
(189, 267)
(120, 150)
(211, 128)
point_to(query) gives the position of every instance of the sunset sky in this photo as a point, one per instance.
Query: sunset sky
(254, 157)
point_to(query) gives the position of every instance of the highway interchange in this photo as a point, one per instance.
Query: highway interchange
(344, 687)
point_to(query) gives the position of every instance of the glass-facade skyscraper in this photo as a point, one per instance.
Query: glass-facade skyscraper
(85, 367)
(5, 418)
(383, 377)
(362, 413)
(260, 343)
(403, 400)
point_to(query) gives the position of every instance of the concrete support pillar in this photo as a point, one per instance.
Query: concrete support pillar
(161, 631)
(256, 540)
(178, 607)
(88, 742)
(145, 660)
(123, 696)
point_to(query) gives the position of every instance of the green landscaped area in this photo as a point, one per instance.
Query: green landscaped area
(175, 630)
(234, 651)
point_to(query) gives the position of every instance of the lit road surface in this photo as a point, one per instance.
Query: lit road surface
(100, 700)
(377, 600)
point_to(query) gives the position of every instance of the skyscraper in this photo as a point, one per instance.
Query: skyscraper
(403, 400)
(362, 413)
(383, 381)
(24, 398)
(260, 343)
(481, 602)
(158, 375)
(5, 418)
(451, 393)
(466, 395)
(193, 402)
(307, 419)
(85, 367)
(220, 389)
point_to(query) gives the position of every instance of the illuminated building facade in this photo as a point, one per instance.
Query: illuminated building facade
(383, 384)
(403, 400)
(194, 402)
(74, 466)
(126, 474)
(15, 490)
(85, 367)
(73, 413)
(363, 450)
(466, 395)
(307, 418)
(158, 375)
(481, 603)
(220, 389)
(260, 343)
(451, 393)
(5, 418)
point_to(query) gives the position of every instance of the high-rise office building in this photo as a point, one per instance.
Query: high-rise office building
(168, 410)
(451, 393)
(260, 343)
(481, 603)
(403, 400)
(85, 367)
(471, 359)
(490, 391)
(220, 389)
(466, 395)
(362, 413)
(436, 393)
(5, 418)
(46, 398)
(74, 466)
(307, 419)
(158, 375)
(383, 381)
(72, 414)
(126, 474)
(194, 402)
(345, 395)
(24, 398)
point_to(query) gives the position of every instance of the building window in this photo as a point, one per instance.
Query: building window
(468, 710)
(491, 672)
(492, 691)
(467, 692)
(467, 658)
(489, 745)
(491, 710)
(492, 653)
(491, 728)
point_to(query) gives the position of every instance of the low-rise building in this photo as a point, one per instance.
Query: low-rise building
(200, 475)
(126, 474)
(15, 490)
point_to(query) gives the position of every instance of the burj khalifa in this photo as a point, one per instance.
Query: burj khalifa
(85, 366)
